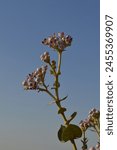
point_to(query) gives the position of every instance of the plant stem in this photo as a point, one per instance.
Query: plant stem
(48, 92)
(57, 87)
(74, 144)
(56, 97)
(97, 131)
(57, 76)
(59, 62)
(84, 141)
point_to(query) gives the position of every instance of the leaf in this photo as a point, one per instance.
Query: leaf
(61, 110)
(63, 98)
(60, 132)
(74, 114)
(51, 72)
(71, 132)
(72, 117)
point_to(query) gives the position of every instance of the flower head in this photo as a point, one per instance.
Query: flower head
(35, 79)
(58, 42)
(91, 120)
(94, 113)
(94, 116)
(84, 124)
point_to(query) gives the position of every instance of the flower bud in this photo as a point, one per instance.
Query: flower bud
(45, 57)
(53, 63)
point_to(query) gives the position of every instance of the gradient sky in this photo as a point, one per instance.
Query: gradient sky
(26, 120)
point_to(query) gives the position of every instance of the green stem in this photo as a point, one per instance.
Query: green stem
(57, 87)
(56, 100)
(59, 62)
(56, 97)
(52, 68)
(97, 131)
(57, 76)
(84, 141)
(74, 144)
(48, 92)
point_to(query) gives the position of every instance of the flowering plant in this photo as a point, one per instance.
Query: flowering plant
(36, 81)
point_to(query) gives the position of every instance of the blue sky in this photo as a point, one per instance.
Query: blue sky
(26, 120)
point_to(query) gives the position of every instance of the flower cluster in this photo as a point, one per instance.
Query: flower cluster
(45, 57)
(84, 124)
(35, 79)
(58, 42)
(94, 116)
(91, 121)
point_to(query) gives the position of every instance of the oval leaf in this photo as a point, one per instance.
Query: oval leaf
(60, 133)
(71, 132)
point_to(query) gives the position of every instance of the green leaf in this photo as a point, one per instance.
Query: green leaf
(69, 133)
(74, 115)
(64, 98)
(60, 133)
(61, 110)
(51, 72)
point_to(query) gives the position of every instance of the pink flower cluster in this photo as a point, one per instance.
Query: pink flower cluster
(84, 124)
(94, 116)
(35, 79)
(91, 121)
(94, 113)
(58, 42)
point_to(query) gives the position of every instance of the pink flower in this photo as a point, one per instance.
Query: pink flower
(58, 42)
(35, 79)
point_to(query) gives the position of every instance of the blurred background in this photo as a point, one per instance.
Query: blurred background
(27, 122)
